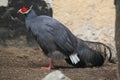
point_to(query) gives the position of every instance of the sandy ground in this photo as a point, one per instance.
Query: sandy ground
(25, 63)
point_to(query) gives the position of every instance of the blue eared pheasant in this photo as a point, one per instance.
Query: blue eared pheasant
(55, 38)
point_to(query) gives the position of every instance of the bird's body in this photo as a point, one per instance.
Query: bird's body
(53, 36)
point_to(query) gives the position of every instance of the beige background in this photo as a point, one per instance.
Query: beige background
(88, 19)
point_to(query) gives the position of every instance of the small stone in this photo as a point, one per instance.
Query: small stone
(56, 75)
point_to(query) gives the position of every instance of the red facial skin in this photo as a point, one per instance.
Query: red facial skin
(24, 9)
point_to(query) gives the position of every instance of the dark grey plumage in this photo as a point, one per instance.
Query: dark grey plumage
(52, 36)
(94, 54)
(100, 47)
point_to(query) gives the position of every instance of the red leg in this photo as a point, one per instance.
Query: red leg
(51, 66)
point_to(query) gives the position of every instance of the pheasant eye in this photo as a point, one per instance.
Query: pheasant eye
(24, 9)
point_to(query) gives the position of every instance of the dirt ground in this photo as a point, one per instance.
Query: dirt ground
(25, 63)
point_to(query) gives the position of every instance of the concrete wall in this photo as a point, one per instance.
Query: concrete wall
(3, 2)
(92, 20)
(96, 15)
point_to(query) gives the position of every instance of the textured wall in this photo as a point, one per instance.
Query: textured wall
(96, 14)
(3, 2)
(92, 20)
